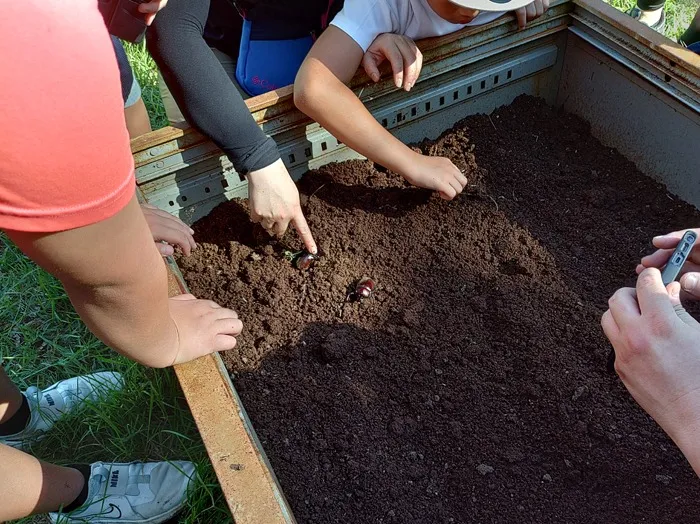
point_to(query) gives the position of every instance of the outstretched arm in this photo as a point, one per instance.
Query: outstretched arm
(72, 208)
(211, 102)
(117, 282)
(321, 92)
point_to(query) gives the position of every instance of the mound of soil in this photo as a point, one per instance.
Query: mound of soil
(472, 386)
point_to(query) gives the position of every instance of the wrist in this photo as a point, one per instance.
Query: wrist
(405, 162)
(687, 438)
(270, 170)
(165, 351)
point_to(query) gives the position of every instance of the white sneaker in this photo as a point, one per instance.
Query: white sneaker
(49, 405)
(140, 492)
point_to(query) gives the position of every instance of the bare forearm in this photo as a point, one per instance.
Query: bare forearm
(131, 316)
(116, 281)
(323, 97)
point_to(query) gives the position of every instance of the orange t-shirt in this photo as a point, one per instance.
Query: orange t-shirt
(65, 160)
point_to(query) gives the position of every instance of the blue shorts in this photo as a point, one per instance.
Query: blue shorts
(131, 90)
(695, 48)
(264, 63)
(275, 39)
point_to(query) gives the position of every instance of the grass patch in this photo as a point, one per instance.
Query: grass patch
(679, 13)
(43, 340)
(146, 73)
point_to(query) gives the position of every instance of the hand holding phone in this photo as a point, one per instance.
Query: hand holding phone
(123, 18)
(669, 273)
(678, 257)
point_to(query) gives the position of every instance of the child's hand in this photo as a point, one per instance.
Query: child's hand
(531, 11)
(167, 228)
(690, 281)
(274, 203)
(402, 53)
(150, 9)
(436, 173)
(203, 327)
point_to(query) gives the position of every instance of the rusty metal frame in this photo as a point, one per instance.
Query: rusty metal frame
(248, 483)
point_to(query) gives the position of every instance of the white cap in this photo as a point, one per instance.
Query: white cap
(492, 5)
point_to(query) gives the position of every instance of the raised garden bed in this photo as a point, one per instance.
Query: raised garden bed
(473, 386)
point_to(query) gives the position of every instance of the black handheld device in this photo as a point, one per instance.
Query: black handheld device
(670, 272)
(123, 18)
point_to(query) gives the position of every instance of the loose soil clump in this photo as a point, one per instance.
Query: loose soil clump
(472, 386)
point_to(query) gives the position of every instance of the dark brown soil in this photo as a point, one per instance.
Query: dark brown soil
(472, 388)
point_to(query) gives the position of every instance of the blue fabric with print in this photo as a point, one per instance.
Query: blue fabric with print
(266, 63)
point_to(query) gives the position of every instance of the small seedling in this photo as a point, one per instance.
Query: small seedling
(291, 255)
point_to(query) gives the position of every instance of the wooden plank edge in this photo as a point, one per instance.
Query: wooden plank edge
(249, 485)
(643, 34)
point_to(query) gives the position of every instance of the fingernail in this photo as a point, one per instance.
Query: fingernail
(191, 231)
(690, 282)
(659, 237)
(375, 77)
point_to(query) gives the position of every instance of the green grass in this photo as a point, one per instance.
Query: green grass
(43, 341)
(147, 74)
(679, 13)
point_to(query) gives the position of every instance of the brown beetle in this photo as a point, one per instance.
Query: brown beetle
(363, 289)
(305, 261)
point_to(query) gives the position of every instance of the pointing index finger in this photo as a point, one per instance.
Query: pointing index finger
(299, 223)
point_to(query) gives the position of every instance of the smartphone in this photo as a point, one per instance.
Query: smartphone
(669, 273)
(678, 258)
(123, 18)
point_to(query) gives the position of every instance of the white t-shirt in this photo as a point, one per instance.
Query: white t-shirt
(364, 20)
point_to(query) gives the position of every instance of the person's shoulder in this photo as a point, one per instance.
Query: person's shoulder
(363, 20)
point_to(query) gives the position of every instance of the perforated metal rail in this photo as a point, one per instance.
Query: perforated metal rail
(189, 181)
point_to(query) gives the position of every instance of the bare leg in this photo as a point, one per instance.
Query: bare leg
(32, 486)
(692, 34)
(29, 485)
(10, 397)
(137, 121)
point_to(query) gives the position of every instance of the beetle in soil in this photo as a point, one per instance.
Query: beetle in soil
(305, 260)
(363, 289)
(670, 272)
